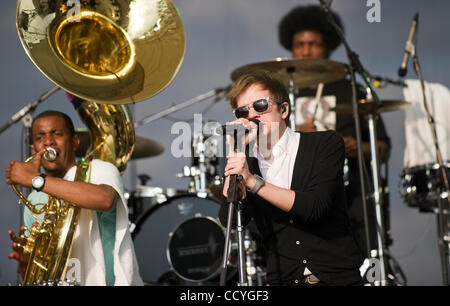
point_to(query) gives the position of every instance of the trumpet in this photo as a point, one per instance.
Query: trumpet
(50, 154)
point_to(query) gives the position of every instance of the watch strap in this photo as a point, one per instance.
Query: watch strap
(259, 182)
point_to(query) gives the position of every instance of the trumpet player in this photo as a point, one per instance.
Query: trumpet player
(102, 243)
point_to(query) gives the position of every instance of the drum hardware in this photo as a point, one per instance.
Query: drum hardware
(381, 82)
(204, 166)
(255, 273)
(346, 173)
(388, 277)
(444, 190)
(355, 66)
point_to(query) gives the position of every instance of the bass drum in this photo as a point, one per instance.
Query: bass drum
(179, 241)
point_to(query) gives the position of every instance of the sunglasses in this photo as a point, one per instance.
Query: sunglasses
(260, 106)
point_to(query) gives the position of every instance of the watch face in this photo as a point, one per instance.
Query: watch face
(38, 182)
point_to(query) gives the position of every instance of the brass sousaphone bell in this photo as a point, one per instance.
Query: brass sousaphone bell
(104, 51)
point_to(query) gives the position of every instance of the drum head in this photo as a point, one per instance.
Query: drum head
(155, 228)
(196, 249)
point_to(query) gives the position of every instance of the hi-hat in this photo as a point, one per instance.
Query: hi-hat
(304, 72)
(370, 106)
(143, 147)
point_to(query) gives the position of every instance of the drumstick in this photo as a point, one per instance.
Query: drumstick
(317, 99)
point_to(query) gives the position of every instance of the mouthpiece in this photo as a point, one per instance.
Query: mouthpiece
(50, 154)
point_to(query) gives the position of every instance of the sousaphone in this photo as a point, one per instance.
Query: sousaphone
(104, 51)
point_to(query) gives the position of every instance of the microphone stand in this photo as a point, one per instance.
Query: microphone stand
(356, 66)
(220, 92)
(443, 194)
(28, 109)
(234, 197)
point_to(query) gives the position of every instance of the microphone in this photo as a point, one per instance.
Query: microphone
(234, 127)
(402, 69)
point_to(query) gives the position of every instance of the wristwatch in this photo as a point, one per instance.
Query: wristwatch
(259, 182)
(38, 182)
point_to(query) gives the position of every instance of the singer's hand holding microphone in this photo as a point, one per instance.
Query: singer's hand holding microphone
(249, 128)
(237, 160)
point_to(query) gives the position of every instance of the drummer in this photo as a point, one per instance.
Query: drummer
(306, 33)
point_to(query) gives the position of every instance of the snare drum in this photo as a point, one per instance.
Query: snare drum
(179, 237)
(420, 186)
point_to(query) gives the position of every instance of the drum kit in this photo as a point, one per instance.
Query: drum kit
(178, 239)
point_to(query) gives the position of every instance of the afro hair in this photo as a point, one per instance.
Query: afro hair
(309, 17)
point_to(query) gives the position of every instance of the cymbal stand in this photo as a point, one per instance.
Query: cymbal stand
(200, 175)
(444, 193)
(377, 196)
(290, 71)
(355, 65)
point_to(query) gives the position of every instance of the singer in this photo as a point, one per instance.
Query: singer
(293, 189)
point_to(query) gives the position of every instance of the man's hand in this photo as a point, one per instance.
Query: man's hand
(351, 148)
(21, 173)
(18, 253)
(237, 164)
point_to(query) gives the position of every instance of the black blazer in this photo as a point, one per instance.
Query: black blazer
(315, 233)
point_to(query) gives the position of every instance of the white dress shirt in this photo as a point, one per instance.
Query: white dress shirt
(278, 168)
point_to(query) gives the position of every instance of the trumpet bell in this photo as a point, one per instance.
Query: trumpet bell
(106, 51)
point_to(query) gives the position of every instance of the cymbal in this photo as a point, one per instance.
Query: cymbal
(370, 106)
(143, 147)
(305, 72)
